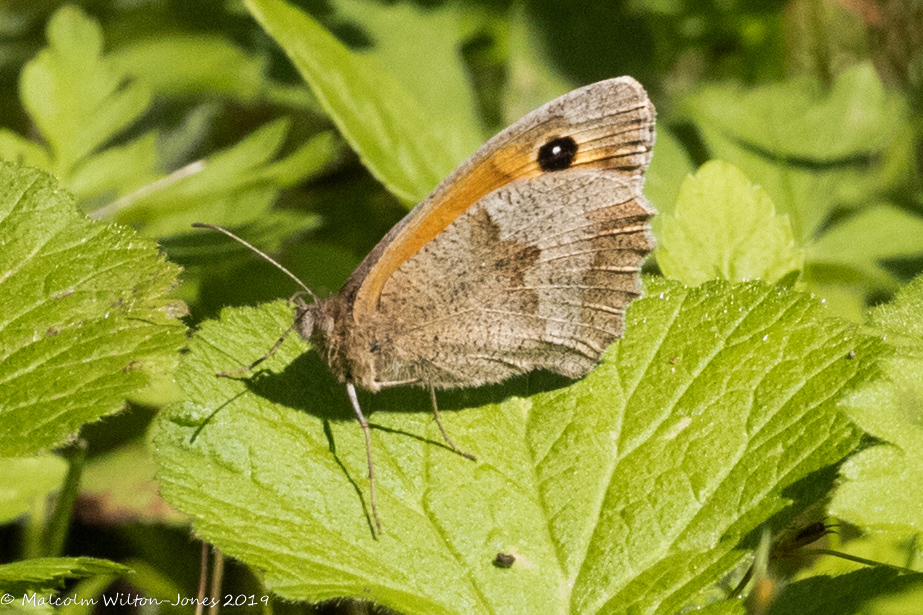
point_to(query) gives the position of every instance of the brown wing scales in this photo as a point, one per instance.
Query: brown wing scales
(515, 285)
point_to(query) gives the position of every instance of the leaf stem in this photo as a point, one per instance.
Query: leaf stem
(33, 538)
(217, 579)
(56, 533)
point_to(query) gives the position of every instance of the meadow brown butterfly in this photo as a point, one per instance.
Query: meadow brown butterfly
(524, 258)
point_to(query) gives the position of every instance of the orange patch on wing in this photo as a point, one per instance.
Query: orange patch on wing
(495, 172)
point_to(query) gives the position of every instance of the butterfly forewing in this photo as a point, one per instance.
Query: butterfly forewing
(610, 122)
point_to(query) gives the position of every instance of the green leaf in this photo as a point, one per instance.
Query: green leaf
(793, 118)
(14, 148)
(80, 102)
(119, 486)
(310, 158)
(854, 592)
(896, 551)
(233, 187)
(421, 47)
(219, 68)
(323, 268)
(865, 239)
(25, 479)
(86, 595)
(811, 149)
(876, 233)
(670, 165)
(906, 602)
(159, 585)
(86, 319)
(724, 227)
(197, 248)
(75, 95)
(533, 77)
(846, 298)
(51, 572)
(726, 607)
(881, 484)
(115, 170)
(630, 490)
(385, 125)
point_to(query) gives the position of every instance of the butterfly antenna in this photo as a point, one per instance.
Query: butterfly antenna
(257, 251)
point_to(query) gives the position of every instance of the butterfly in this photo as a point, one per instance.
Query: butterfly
(524, 258)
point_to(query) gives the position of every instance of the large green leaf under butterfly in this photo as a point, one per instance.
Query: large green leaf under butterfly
(629, 490)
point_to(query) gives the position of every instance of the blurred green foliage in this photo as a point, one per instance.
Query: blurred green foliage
(308, 127)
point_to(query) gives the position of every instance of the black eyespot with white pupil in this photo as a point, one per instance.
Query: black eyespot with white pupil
(558, 154)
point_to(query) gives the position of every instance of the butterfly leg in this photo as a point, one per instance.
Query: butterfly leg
(445, 435)
(272, 351)
(351, 392)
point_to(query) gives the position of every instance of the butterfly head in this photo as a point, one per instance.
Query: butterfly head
(317, 322)
(312, 320)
